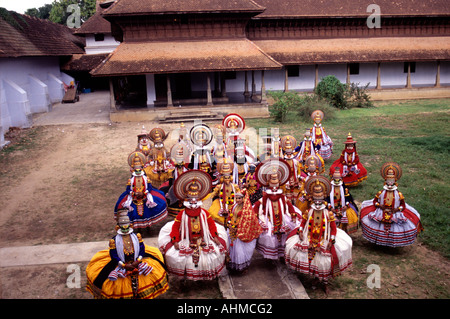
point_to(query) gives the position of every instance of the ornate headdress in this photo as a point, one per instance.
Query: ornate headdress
(123, 220)
(157, 135)
(350, 139)
(201, 135)
(143, 132)
(318, 185)
(391, 170)
(288, 143)
(136, 158)
(233, 123)
(313, 160)
(192, 184)
(317, 115)
(180, 153)
(270, 168)
(225, 166)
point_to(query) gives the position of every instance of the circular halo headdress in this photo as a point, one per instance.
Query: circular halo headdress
(391, 170)
(136, 155)
(318, 180)
(316, 159)
(157, 135)
(233, 123)
(180, 152)
(317, 114)
(270, 166)
(225, 166)
(192, 184)
(201, 135)
(288, 142)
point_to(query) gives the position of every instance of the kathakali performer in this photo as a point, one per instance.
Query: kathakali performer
(223, 194)
(146, 205)
(201, 136)
(352, 170)
(128, 269)
(341, 203)
(320, 137)
(292, 186)
(159, 167)
(194, 246)
(318, 247)
(387, 219)
(276, 214)
(243, 230)
(144, 146)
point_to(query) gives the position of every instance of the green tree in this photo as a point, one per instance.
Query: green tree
(41, 12)
(59, 13)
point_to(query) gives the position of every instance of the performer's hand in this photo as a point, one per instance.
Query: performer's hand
(216, 240)
(176, 245)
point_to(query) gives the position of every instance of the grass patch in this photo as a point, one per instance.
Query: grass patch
(416, 134)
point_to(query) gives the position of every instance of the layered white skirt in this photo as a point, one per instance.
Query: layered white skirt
(211, 262)
(401, 232)
(296, 256)
(272, 246)
(240, 253)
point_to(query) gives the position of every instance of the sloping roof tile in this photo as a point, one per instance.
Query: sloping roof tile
(351, 8)
(348, 50)
(185, 56)
(31, 36)
(130, 7)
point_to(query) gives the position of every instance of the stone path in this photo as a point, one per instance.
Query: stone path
(265, 279)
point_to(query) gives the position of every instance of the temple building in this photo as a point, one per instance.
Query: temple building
(178, 53)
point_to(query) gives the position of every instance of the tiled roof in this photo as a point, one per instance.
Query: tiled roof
(185, 56)
(30, 36)
(96, 23)
(351, 8)
(130, 7)
(346, 50)
(83, 62)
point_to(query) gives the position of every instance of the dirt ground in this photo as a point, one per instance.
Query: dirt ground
(59, 184)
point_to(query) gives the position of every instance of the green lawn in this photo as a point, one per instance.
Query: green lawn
(415, 134)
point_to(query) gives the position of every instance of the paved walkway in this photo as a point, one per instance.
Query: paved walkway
(265, 279)
(92, 108)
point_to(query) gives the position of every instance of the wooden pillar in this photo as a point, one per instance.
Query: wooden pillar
(286, 81)
(253, 85)
(348, 74)
(438, 75)
(112, 99)
(379, 76)
(408, 77)
(223, 85)
(169, 91)
(263, 89)
(209, 101)
(316, 79)
(246, 92)
(216, 83)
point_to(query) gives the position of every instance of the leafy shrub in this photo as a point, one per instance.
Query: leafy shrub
(332, 90)
(311, 102)
(357, 96)
(283, 103)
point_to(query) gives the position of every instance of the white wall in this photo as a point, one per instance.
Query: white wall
(445, 73)
(29, 85)
(96, 47)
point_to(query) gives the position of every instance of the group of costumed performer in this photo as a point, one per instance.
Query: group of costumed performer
(129, 269)
(194, 246)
